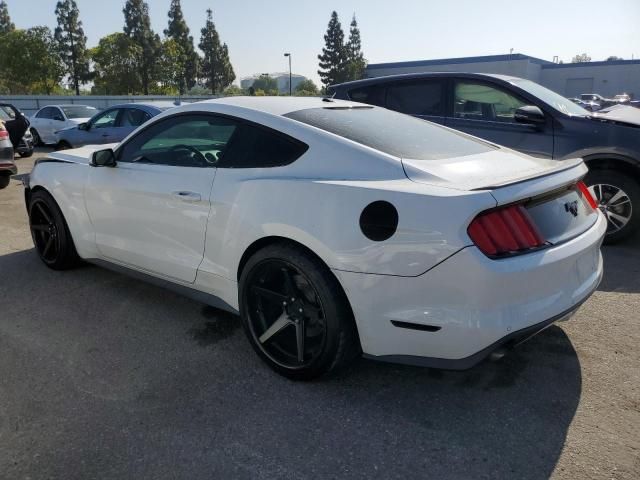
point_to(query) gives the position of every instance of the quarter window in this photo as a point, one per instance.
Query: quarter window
(417, 98)
(479, 101)
(255, 147)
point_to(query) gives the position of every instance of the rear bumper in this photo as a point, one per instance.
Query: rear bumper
(8, 166)
(469, 305)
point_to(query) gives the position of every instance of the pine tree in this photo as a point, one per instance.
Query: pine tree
(137, 26)
(216, 67)
(333, 61)
(179, 32)
(5, 20)
(355, 58)
(72, 43)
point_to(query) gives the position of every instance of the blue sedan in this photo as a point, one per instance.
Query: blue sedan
(111, 125)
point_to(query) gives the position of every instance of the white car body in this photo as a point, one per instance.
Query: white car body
(52, 118)
(191, 227)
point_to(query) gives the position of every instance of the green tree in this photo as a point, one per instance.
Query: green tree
(137, 26)
(72, 43)
(6, 25)
(266, 84)
(306, 88)
(179, 32)
(613, 58)
(356, 64)
(37, 69)
(216, 69)
(173, 63)
(333, 60)
(115, 61)
(234, 91)
(581, 58)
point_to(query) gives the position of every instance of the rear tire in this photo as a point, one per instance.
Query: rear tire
(26, 154)
(283, 284)
(618, 195)
(63, 145)
(37, 141)
(50, 233)
(4, 181)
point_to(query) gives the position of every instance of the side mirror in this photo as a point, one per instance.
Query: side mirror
(103, 158)
(84, 126)
(529, 114)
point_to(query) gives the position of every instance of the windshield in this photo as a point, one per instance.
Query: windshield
(550, 97)
(392, 133)
(79, 111)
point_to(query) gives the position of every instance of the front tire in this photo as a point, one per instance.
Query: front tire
(295, 314)
(50, 233)
(26, 154)
(618, 196)
(63, 145)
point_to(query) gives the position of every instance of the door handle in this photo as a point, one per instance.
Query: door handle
(188, 197)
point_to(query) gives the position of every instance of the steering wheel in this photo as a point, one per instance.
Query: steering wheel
(196, 155)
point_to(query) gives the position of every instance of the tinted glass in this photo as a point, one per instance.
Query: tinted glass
(133, 117)
(417, 98)
(187, 141)
(374, 95)
(393, 133)
(480, 101)
(255, 147)
(56, 114)
(45, 113)
(6, 113)
(79, 111)
(105, 120)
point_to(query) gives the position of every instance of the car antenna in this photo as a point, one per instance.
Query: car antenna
(328, 98)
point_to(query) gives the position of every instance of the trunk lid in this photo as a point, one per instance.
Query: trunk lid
(546, 188)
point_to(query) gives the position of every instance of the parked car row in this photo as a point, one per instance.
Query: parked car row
(527, 117)
(71, 126)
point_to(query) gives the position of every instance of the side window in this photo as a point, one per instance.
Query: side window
(133, 117)
(184, 141)
(45, 113)
(56, 114)
(417, 98)
(373, 95)
(479, 101)
(105, 120)
(256, 147)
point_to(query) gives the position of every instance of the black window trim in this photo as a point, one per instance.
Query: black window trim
(220, 163)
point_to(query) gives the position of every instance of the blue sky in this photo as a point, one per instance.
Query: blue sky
(259, 32)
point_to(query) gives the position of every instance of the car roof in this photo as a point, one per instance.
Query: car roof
(416, 76)
(273, 105)
(159, 105)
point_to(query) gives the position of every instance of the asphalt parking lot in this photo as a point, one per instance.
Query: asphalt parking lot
(102, 376)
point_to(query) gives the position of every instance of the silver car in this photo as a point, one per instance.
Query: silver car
(111, 125)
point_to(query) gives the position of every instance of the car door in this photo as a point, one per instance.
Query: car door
(150, 211)
(58, 122)
(44, 125)
(423, 98)
(487, 110)
(101, 128)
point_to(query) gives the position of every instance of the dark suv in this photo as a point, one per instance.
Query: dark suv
(528, 117)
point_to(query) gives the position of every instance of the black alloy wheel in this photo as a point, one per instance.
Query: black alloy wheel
(295, 313)
(50, 233)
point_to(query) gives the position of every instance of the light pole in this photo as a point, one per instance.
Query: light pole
(290, 83)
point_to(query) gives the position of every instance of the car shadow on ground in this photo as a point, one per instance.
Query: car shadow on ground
(622, 267)
(107, 376)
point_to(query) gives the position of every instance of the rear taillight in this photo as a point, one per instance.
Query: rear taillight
(584, 190)
(4, 134)
(505, 231)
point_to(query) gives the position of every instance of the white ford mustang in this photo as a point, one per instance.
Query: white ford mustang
(332, 227)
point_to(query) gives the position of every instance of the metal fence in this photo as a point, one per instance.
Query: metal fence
(30, 104)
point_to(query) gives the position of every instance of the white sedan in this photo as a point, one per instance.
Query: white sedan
(333, 228)
(48, 120)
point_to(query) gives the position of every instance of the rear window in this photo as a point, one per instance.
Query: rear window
(79, 111)
(392, 133)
